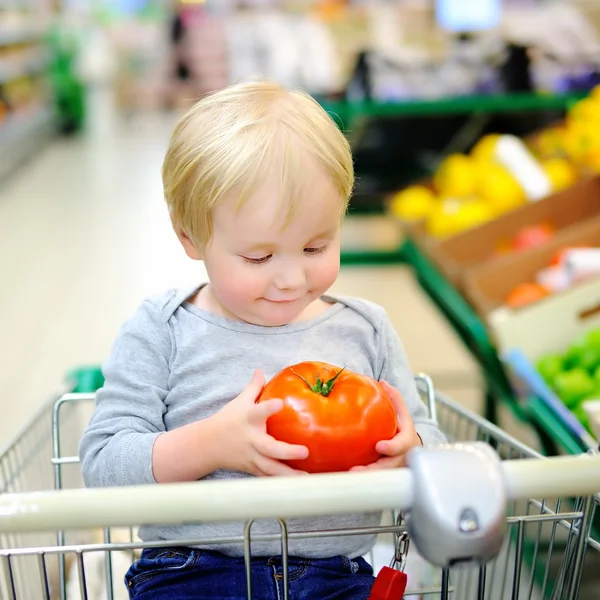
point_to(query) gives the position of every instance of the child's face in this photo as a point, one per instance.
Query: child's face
(268, 275)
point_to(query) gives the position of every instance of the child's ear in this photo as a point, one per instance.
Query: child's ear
(190, 248)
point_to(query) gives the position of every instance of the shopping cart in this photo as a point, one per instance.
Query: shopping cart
(61, 541)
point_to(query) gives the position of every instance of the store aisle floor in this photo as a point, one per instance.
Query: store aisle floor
(84, 236)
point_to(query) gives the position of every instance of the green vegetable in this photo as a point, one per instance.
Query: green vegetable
(583, 354)
(592, 338)
(549, 366)
(573, 386)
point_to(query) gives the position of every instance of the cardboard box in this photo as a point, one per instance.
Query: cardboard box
(488, 285)
(457, 255)
(549, 323)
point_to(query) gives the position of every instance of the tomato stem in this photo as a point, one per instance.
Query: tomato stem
(327, 387)
(320, 387)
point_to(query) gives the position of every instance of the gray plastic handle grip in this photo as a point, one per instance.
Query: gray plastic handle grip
(459, 507)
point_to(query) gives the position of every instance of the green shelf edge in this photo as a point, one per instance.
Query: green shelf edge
(471, 329)
(348, 111)
(350, 258)
(541, 414)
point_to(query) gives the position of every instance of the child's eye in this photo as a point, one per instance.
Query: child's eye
(315, 250)
(257, 261)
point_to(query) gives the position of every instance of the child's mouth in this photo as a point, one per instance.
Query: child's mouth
(281, 301)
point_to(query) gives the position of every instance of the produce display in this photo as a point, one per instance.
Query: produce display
(502, 173)
(337, 414)
(529, 236)
(577, 139)
(27, 96)
(515, 224)
(567, 267)
(575, 374)
(526, 293)
(468, 190)
(21, 94)
(23, 56)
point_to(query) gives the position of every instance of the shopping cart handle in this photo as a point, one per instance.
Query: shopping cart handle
(285, 497)
(459, 504)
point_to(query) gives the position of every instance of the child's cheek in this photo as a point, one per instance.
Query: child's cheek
(325, 275)
(241, 285)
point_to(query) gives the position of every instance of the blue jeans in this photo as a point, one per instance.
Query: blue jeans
(189, 574)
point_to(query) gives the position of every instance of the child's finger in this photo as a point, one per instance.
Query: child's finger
(401, 443)
(402, 411)
(270, 447)
(388, 462)
(268, 467)
(260, 412)
(359, 468)
(254, 388)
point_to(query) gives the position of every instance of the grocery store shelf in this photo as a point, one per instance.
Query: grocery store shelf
(19, 36)
(22, 135)
(348, 111)
(10, 70)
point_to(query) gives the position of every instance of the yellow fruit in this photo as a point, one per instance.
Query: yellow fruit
(453, 216)
(456, 176)
(586, 111)
(484, 149)
(442, 221)
(592, 162)
(595, 93)
(561, 172)
(473, 213)
(413, 203)
(500, 189)
(576, 142)
(580, 140)
(550, 142)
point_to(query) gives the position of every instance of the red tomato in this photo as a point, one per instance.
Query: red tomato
(532, 236)
(337, 414)
(526, 293)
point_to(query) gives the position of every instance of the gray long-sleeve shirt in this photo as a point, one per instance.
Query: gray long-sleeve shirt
(173, 363)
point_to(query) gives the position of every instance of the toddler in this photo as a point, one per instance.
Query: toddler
(257, 181)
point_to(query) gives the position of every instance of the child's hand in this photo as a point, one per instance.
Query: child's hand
(395, 450)
(243, 439)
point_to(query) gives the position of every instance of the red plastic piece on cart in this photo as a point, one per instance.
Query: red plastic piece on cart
(389, 585)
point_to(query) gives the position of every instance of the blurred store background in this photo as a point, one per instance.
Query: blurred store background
(465, 117)
(153, 55)
(475, 127)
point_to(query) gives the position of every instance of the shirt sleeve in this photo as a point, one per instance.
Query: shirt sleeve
(116, 447)
(395, 369)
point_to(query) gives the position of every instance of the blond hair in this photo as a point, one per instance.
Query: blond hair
(230, 139)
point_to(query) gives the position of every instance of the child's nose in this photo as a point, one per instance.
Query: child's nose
(290, 278)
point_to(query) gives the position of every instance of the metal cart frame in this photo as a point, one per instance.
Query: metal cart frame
(50, 538)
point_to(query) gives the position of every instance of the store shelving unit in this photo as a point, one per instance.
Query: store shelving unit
(350, 112)
(27, 115)
(22, 135)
